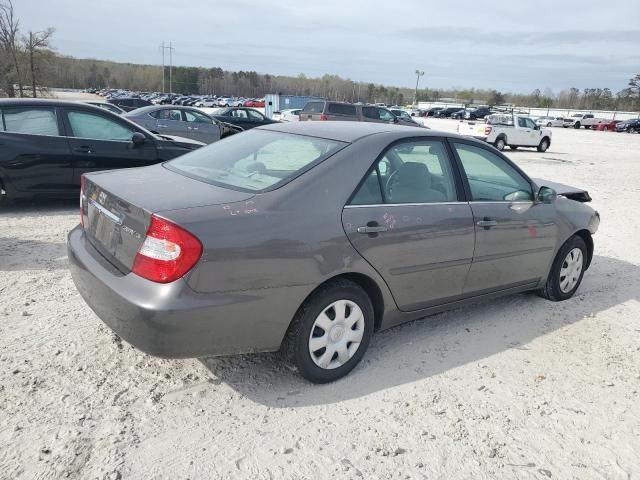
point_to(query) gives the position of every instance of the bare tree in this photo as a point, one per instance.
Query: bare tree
(9, 28)
(35, 42)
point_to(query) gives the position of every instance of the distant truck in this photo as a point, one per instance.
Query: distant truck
(577, 120)
(508, 130)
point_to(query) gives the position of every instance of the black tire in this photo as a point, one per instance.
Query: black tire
(4, 199)
(543, 145)
(513, 147)
(587, 127)
(552, 290)
(576, 125)
(500, 143)
(548, 124)
(295, 346)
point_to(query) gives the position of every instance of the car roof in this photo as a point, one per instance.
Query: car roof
(349, 132)
(41, 102)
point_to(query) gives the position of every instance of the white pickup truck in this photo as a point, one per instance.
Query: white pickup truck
(577, 120)
(508, 130)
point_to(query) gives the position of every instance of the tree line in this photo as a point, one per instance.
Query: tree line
(28, 64)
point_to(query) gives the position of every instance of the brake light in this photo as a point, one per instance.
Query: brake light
(487, 130)
(167, 253)
(82, 200)
(323, 116)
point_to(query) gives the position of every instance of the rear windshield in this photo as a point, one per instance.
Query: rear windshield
(313, 107)
(341, 109)
(256, 160)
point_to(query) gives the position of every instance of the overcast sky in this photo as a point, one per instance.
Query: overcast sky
(510, 45)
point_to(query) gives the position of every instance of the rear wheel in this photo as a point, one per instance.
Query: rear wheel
(3, 195)
(500, 143)
(576, 125)
(548, 124)
(330, 332)
(567, 271)
(544, 145)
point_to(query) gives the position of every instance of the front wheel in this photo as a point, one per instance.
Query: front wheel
(544, 145)
(330, 332)
(576, 125)
(513, 147)
(549, 124)
(567, 271)
(500, 144)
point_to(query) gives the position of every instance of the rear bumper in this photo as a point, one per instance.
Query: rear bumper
(171, 320)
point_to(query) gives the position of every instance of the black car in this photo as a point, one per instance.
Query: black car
(477, 113)
(244, 118)
(446, 112)
(48, 144)
(629, 126)
(458, 114)
(432, 112)
(129, 103)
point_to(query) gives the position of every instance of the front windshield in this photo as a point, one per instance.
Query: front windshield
(256, 160)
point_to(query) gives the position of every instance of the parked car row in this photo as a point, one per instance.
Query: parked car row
(325, 110)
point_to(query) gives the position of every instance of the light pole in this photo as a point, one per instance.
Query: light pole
(415, 96)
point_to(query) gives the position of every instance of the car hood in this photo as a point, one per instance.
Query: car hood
(572, 193)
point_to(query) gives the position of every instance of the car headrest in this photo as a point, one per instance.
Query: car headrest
(414, 174)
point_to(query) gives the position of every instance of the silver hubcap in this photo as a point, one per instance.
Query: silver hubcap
(336, 334)
(571, 270)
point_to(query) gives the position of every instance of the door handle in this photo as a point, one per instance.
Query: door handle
(487, 223)
(83, 149)
(372, 229)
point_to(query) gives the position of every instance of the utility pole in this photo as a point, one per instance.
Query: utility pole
(415, 96)
(170, 67)
(162, 48)
(171, 49)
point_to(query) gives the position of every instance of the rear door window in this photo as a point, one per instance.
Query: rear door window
(341, 109)
(370, 112)
(255, 116)
(197, 117)
(31, 120)
(96, 127)
(313, 107)
(385, 115)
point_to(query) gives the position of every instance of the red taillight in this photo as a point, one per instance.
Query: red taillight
(323, 116)
(487, 130)
(168, 252)
(82, 200)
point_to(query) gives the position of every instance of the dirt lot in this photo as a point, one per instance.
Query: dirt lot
(515, 388)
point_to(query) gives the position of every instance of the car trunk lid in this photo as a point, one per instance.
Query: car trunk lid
(118, 206)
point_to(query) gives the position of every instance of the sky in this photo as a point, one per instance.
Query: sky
(510, 45)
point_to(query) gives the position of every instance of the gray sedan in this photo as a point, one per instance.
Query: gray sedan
(308, 237)
(174, 120)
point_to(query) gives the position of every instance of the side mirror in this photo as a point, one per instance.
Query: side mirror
(138, 139)
(546, 195)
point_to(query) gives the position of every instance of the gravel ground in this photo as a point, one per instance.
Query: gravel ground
(514, 388)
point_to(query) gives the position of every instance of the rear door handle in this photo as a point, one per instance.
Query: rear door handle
(83, 149)
(372, 229)
(487, 223)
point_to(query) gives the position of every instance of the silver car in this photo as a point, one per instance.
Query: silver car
(307, 237)
(176, 120)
